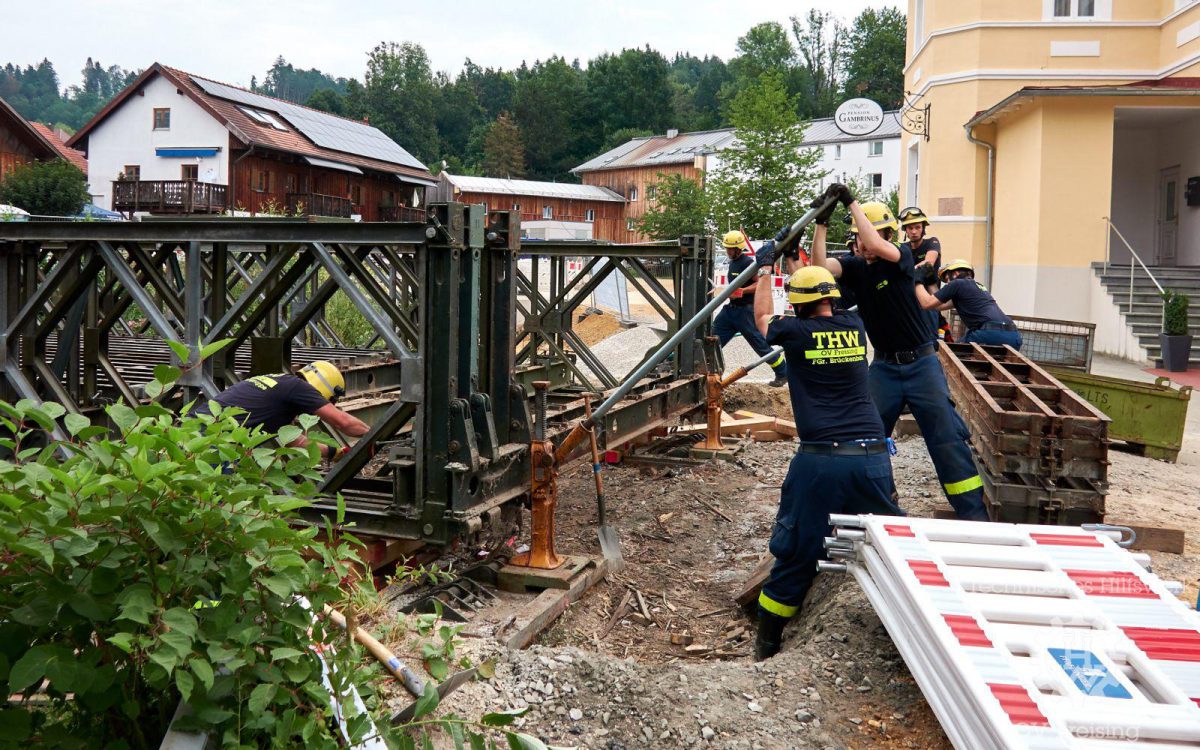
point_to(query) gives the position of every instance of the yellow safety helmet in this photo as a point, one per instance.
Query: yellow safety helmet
(734, 238)
(912, 215)
(325, 378)
(880, 216)
(956, 265)
(810, 284)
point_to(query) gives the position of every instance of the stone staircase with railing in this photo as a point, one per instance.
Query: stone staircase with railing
(1144, 316)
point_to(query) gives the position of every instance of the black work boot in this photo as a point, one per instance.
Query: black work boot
(779, 381)
(770, 634)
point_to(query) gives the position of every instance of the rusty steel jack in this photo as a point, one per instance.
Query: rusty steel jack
(714, 393)
(543, 492)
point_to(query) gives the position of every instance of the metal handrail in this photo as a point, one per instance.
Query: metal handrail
(1133, 253)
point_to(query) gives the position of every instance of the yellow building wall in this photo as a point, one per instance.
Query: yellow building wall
(1061, 147)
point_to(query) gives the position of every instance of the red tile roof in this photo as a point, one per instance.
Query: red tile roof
(243, 128)
(74, 156)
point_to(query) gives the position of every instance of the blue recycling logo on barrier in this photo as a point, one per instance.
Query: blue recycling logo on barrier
(1089, 673)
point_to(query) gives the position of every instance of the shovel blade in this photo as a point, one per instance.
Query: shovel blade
(610, 547)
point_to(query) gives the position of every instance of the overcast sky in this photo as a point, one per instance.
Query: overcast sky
(232, 39)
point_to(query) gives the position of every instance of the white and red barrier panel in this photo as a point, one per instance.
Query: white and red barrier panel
(1039, 637)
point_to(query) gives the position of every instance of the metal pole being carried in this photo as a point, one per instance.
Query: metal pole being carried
(580, 431)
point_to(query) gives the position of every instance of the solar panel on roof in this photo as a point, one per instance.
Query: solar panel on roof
(324, 130)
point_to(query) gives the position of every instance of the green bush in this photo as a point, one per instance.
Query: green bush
(1175, 313)
(52, 188)
(137, 571)
(157, 562)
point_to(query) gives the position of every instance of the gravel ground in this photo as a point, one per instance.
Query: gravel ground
(690, 537)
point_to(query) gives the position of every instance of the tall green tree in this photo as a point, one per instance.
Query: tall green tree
(400, 94)
(821, 45)
(628, 90)
(547, 109)
(292, 84)
(875, 57)
(327, 100)
(458, 113)
(680, 207)
(494, 88)
(766, 179)
(503, 151)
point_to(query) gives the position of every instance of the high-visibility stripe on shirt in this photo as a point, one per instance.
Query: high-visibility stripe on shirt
(966, 485)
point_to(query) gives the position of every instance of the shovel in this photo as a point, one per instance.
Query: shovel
(610, 545)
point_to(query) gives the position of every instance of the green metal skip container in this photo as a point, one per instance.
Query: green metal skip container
(1148, 416)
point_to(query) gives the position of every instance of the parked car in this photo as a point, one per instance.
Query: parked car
(12, 213)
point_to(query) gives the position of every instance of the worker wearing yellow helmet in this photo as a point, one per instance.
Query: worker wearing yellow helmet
(927, 256)
(275, 401)
(843, 463)
(985, 322)
(737, 317)
(905, 370)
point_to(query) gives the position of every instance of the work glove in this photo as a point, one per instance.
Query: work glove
(925, 275)
(842, 192)
(790, 249)
(766, 254)
(823, 217)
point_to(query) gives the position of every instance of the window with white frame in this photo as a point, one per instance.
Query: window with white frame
(547, 212)
(837, 151)
(629, 225)
(875, 148)
(516, 207)
(633, 195)
(589, 215)
(875, 180)
(1077, 10)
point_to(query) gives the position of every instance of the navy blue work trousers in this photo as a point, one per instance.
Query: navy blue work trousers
(817, 485)
(735, 319)
(921, 385)
(994, 337)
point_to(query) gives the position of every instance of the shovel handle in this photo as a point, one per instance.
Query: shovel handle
(411, 681)
(587, 409)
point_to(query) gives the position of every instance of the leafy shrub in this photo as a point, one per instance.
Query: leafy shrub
(137, 569)
(1175, 313)
(157, 562)
(52, 188)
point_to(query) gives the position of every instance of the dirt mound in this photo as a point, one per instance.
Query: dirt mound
(773, 402)
(595, 327)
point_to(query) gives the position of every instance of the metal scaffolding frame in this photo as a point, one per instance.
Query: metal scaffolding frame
(89, 309)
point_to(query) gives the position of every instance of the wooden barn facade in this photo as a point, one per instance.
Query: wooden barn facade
(572, 209)
(22, 142)
(633, 169)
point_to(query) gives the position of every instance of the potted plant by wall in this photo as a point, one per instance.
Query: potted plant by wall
(1175, 338)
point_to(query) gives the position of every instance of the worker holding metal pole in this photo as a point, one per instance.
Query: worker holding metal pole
(785, 239)
(738, 315)
(905, 370)
(843, 463)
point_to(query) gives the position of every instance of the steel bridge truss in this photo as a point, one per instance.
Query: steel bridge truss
(458, 332)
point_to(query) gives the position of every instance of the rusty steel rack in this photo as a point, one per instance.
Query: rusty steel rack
(1042, 451)
(459, 333)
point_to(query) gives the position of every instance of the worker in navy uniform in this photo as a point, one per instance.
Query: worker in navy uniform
(738, 316)
(927, 256)
(275, 401)
(985, 322)
(847, 301)
(842, 465)
(905, 370)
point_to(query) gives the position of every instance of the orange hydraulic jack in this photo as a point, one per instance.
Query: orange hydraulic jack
(543, 492)
(714, 393)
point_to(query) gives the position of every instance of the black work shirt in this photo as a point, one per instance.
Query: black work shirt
(736, 266)
(927, 244)
(273, 401)
(887, 302)
(827, 377)
(972, 302)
